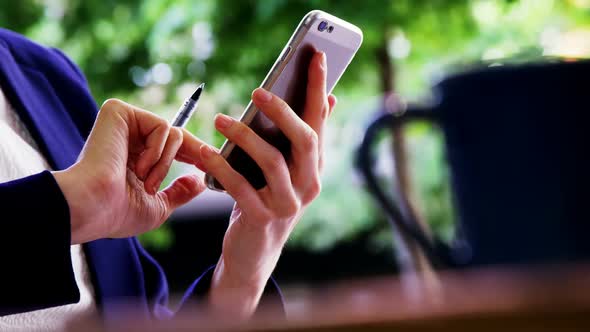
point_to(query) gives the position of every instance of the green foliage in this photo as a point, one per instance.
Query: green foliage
(158, 239)
(152, 53)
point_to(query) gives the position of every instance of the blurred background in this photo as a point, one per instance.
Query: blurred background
(153, 53)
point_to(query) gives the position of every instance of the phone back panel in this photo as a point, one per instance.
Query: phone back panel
(290, 84)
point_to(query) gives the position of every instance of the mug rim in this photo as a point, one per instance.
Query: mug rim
(470, 72)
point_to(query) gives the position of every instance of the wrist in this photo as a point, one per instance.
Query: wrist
(229, 295)
(75, 196)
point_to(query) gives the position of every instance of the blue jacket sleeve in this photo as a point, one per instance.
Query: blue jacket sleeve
(35, 246)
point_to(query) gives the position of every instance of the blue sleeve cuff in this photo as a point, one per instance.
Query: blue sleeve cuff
(35, 248)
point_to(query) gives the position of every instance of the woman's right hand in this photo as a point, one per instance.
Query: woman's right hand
(112, 190)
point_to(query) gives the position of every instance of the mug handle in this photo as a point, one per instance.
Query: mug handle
(438, 252)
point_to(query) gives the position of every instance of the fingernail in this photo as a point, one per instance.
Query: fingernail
(223, 121)
(207, 152)
(155, 188)
(262, 96)
(323, 60)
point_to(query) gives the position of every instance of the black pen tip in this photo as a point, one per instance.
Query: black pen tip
(197, 92)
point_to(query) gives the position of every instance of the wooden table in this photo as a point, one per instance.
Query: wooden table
(549, 298)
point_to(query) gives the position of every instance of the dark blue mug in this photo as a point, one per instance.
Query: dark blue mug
(517, 142)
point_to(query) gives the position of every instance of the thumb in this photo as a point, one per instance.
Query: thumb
(181, 191)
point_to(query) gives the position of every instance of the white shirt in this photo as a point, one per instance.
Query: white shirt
(20, 157)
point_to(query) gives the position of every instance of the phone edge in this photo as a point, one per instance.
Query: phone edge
(275, 72)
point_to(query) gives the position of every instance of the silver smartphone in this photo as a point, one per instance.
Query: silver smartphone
(318, 31)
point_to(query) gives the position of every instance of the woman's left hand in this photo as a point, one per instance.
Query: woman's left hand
(262, 220)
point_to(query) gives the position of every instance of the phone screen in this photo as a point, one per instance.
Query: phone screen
(291, 86)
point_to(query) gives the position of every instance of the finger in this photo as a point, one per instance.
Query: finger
(269, 159)
(316, 100)
(159, 171)
(151, 132)
(190, 150)
(278, 111)
(181, 191)
(304, 140)
(234, 183)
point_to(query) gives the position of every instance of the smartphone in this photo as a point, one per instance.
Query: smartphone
(318, 31)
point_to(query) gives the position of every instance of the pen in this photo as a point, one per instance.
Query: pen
(188, 108)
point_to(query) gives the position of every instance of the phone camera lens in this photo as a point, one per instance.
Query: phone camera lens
(330, 29)
(323, 26)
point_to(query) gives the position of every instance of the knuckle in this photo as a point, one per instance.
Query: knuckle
(265, 215)
(240, 133)
(216, 164)
(163, 131)
(274, 162)
(309, 141)
(314, 189)
(292, 208)
(240, 190)
(175, 134)
(281, 108)
(111, 103)
(165, 124)
(112, 106)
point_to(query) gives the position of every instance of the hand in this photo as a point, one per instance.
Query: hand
(262, 220)
(112, 190)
